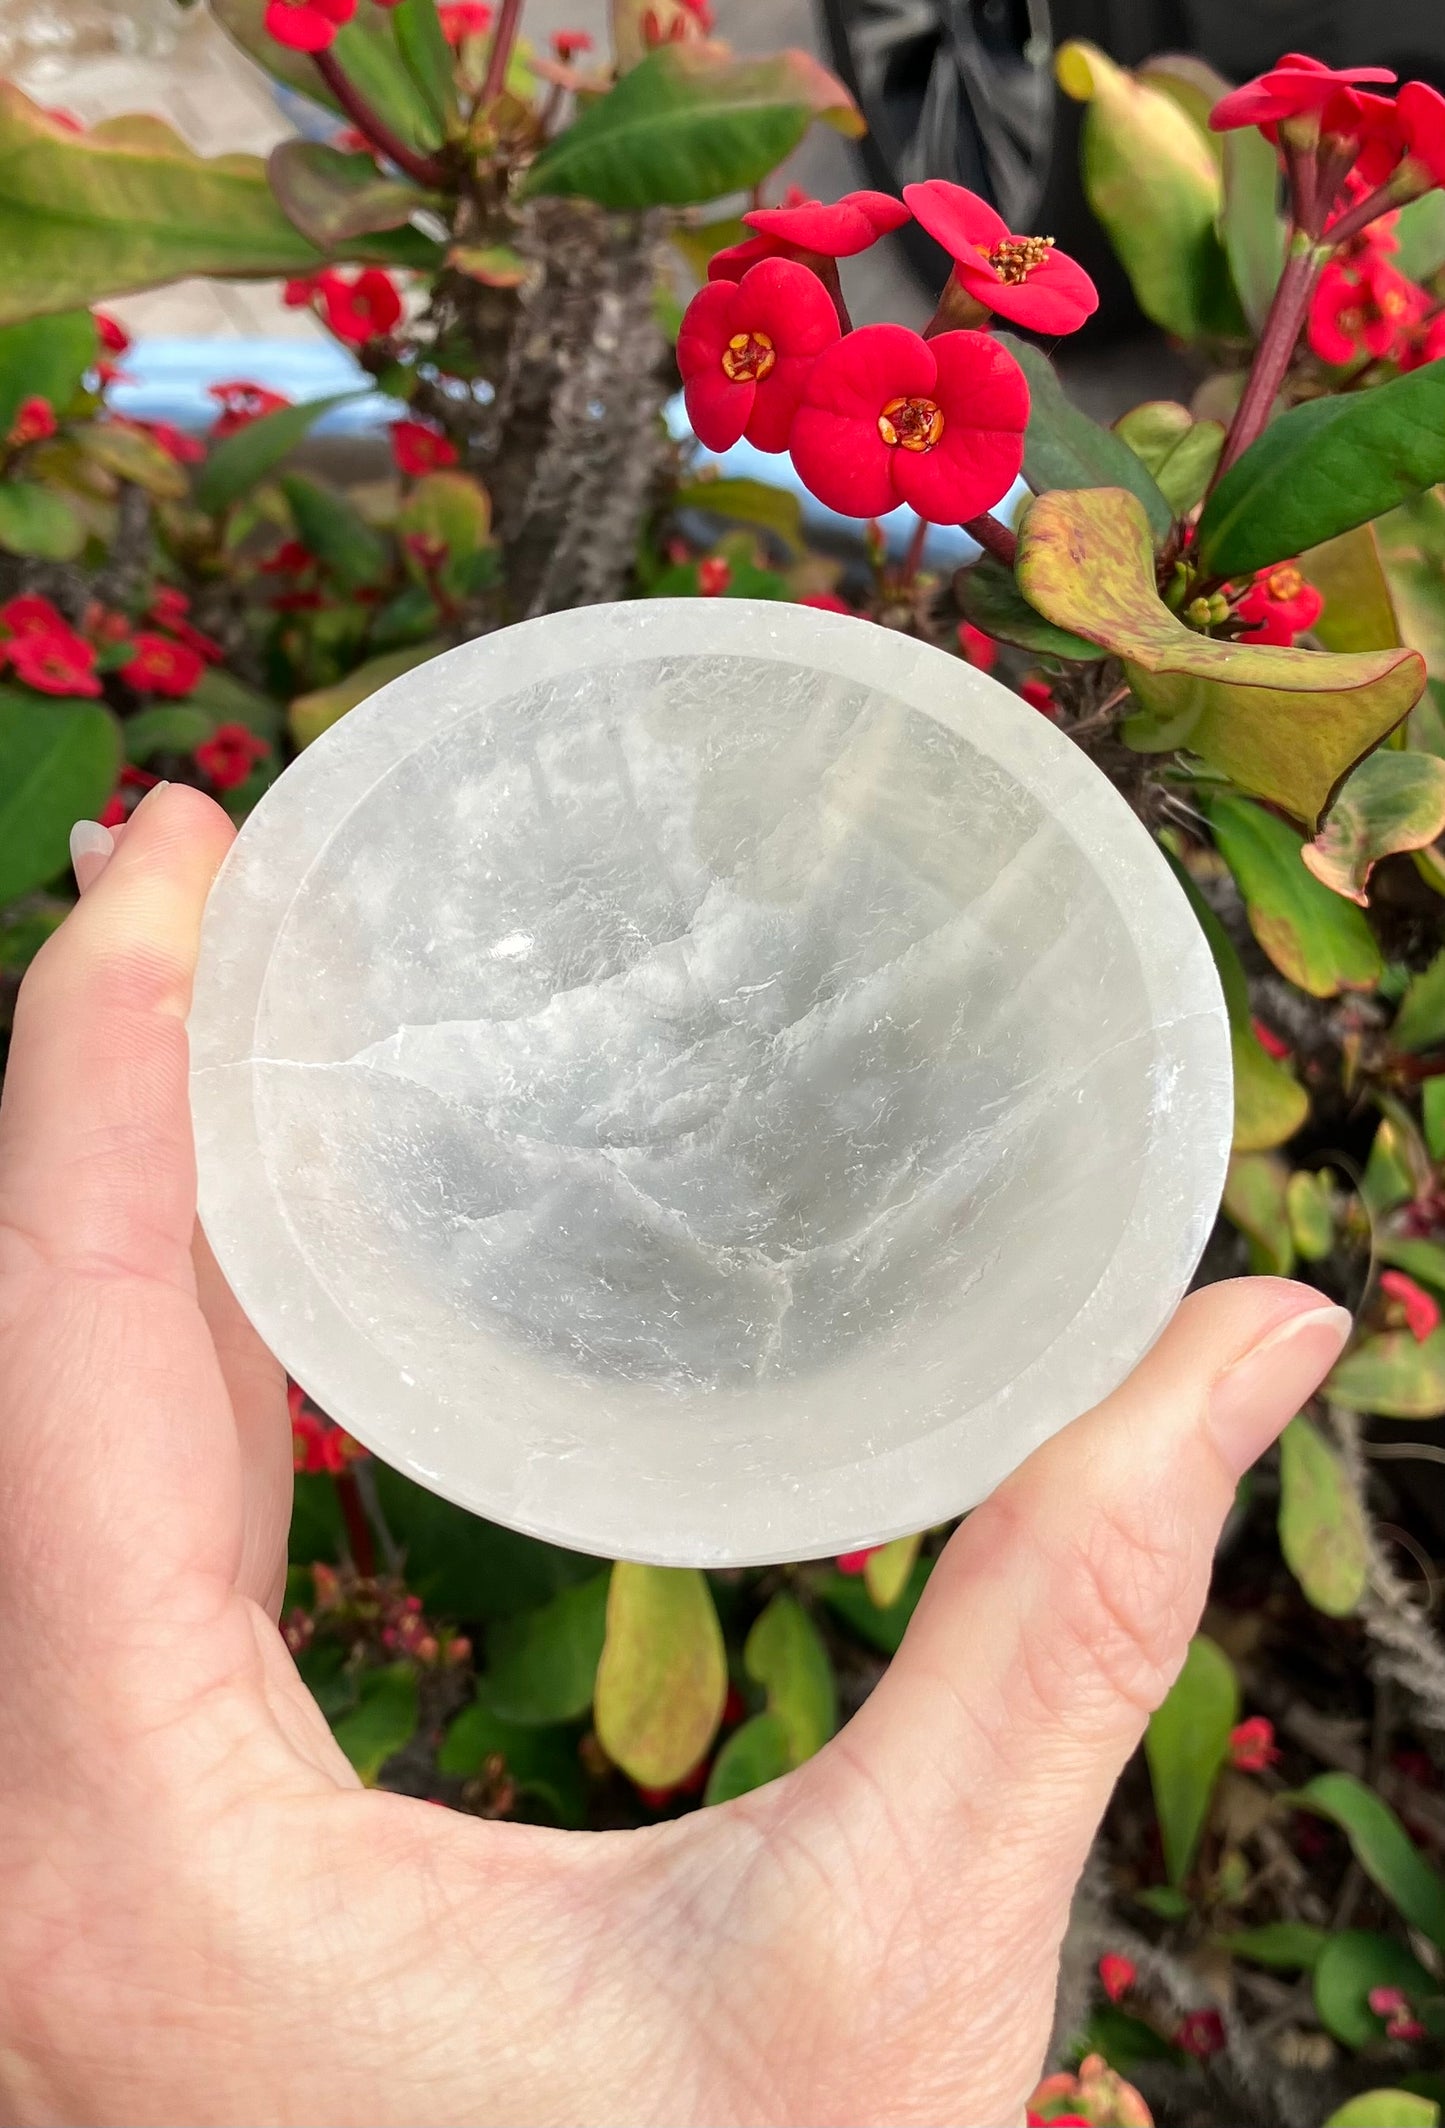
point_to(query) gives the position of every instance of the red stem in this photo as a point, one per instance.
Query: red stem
(359, 1539)
(994, 538)
(1276, 346)
(423, 168)
(503, 39)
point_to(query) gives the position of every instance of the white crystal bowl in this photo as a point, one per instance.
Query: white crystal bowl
(704, 1081)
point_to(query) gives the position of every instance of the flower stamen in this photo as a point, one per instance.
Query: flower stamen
(916, 424)
(1013, 258)
(748, 357)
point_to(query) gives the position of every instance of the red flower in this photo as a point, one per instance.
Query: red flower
(887, 417)
(229, 755)
(1279, 605)
(358, 310)
(836, 231)
(241, 403)
(746, 350)
(289, 559)
(1393, 2004)
(713, 576)
(1117, 1974)
(54, 661)
(112, 334)
(114, 813)
(1021, 277)
(1201, 2033)
(1421, 1311)
(980, 650)
(419, 449)
(1252, 1747)
(168, 609)
(161, 667)
(826, 602)
(1040, 696)
(1421, 111)
(569, 44)
(1361, 306)
(854, 1562)
(1425, 342)
(465, 18)
(30, 614)
(1378, 131)
(1269, 1041)
(1294, 85)
(307, 25)
(33, 423)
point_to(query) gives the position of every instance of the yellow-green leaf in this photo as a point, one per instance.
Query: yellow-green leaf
(663, 1676)
(786, 1656)
(748, 502)
(312, 714)
(755, 1753)
(1321, 1524)
(1393, 801)
(130, 454)
(1314, 937)
(1255, 1201)
(886, 1572)
(44, 358)
(1185, 1746)
(1309, 1202)
(36, 521)
(1385, 2108)
(331, 196)
(1393, 1376)
(1420, 1021)
(1179, 451)
(1287, 725)
(1349, 575)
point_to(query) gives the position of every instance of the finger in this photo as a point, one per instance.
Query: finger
(1060, 1613)
(256, 1384)
(96, 1165)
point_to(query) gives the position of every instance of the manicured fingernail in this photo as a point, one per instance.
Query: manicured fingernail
(1255, 1399)
(91, 848)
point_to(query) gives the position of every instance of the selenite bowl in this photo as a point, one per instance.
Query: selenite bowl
(704, 1081)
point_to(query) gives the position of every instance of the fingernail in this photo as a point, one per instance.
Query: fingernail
(91, 848)
(154, 792)
(1254, 1400)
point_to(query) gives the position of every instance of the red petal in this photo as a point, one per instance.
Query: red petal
(1056, 297)
(842, 459)
(1422, 115)
(979, 383)
(840, 230)
(776, 402)
(300, 29)
(967, 471)
(857, 376)
(958, 219)
(707, 326)
(717, 407)
(789, 304)
(733, 263)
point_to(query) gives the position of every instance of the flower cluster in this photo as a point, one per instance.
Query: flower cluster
(317, 1445)
(365, 307)
(1278, 606)
(1252, 1748)
(880, 415)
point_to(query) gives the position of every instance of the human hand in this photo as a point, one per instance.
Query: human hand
(204, 1918)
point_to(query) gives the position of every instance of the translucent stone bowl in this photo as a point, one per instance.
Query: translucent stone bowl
(704, 1081)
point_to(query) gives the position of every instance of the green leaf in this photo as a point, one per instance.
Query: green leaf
(748, 502)
(1269, 1102)
(1255, 1201)
(700, 242)
(1411, 545)
(382, 1723)
(312, 714)
(848, 1599)
(887, 1571)
(1393, 801)
(1381, 1846)
(1424, 1260)
(992, 600)
(58, 763)
(455, 509)
(22, 936)
(165, 728)
(1194, 85)
(132, 455)
(1420, 1021)
(1321, 1525)
(124, 207)
(1432, 1117)
(688, 124)
(367, 51)
(1286, 725)
(540, 1762)
(1284, 1946)
(44, 358)
(542, 1666)
(1251, 225)
(1385, 2109)
(1165, 1901)
(37, 522)
(239, 460)
(1313, 937)
(785, 1654)
(335, 532)
(428, 57)
(1398, 1167)
(754, 1754)
(1180, 452)
(1322, 468)
(228, 700)
(1349, 574)
(1393, 1376)
(494, 265)
(1309, 1203)
(317, 1530)
(1186, 1744)
(1353, 1963)
(663, 1677)
(1419, 234)
(1155, 186)
(1063, 448)
(331, 196)
(465, 1568)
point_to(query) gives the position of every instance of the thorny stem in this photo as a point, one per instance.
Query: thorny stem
(359, 1539)
(423, 168)
(995, 539)
(503, 39)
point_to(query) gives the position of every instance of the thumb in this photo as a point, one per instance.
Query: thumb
(1060, 1613)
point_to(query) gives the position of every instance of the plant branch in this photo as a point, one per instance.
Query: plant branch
(359, 1538)
(424, 168)
(995, 538)
(504, 37)
(1276, 347)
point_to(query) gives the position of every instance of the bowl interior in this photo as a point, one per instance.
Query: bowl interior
(704, 1073)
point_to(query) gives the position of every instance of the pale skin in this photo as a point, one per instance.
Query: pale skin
(203, 1917)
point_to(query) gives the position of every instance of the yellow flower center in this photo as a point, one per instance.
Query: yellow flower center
(1286, 583)
(917, 424)
(1014, 258)
(748, 357)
